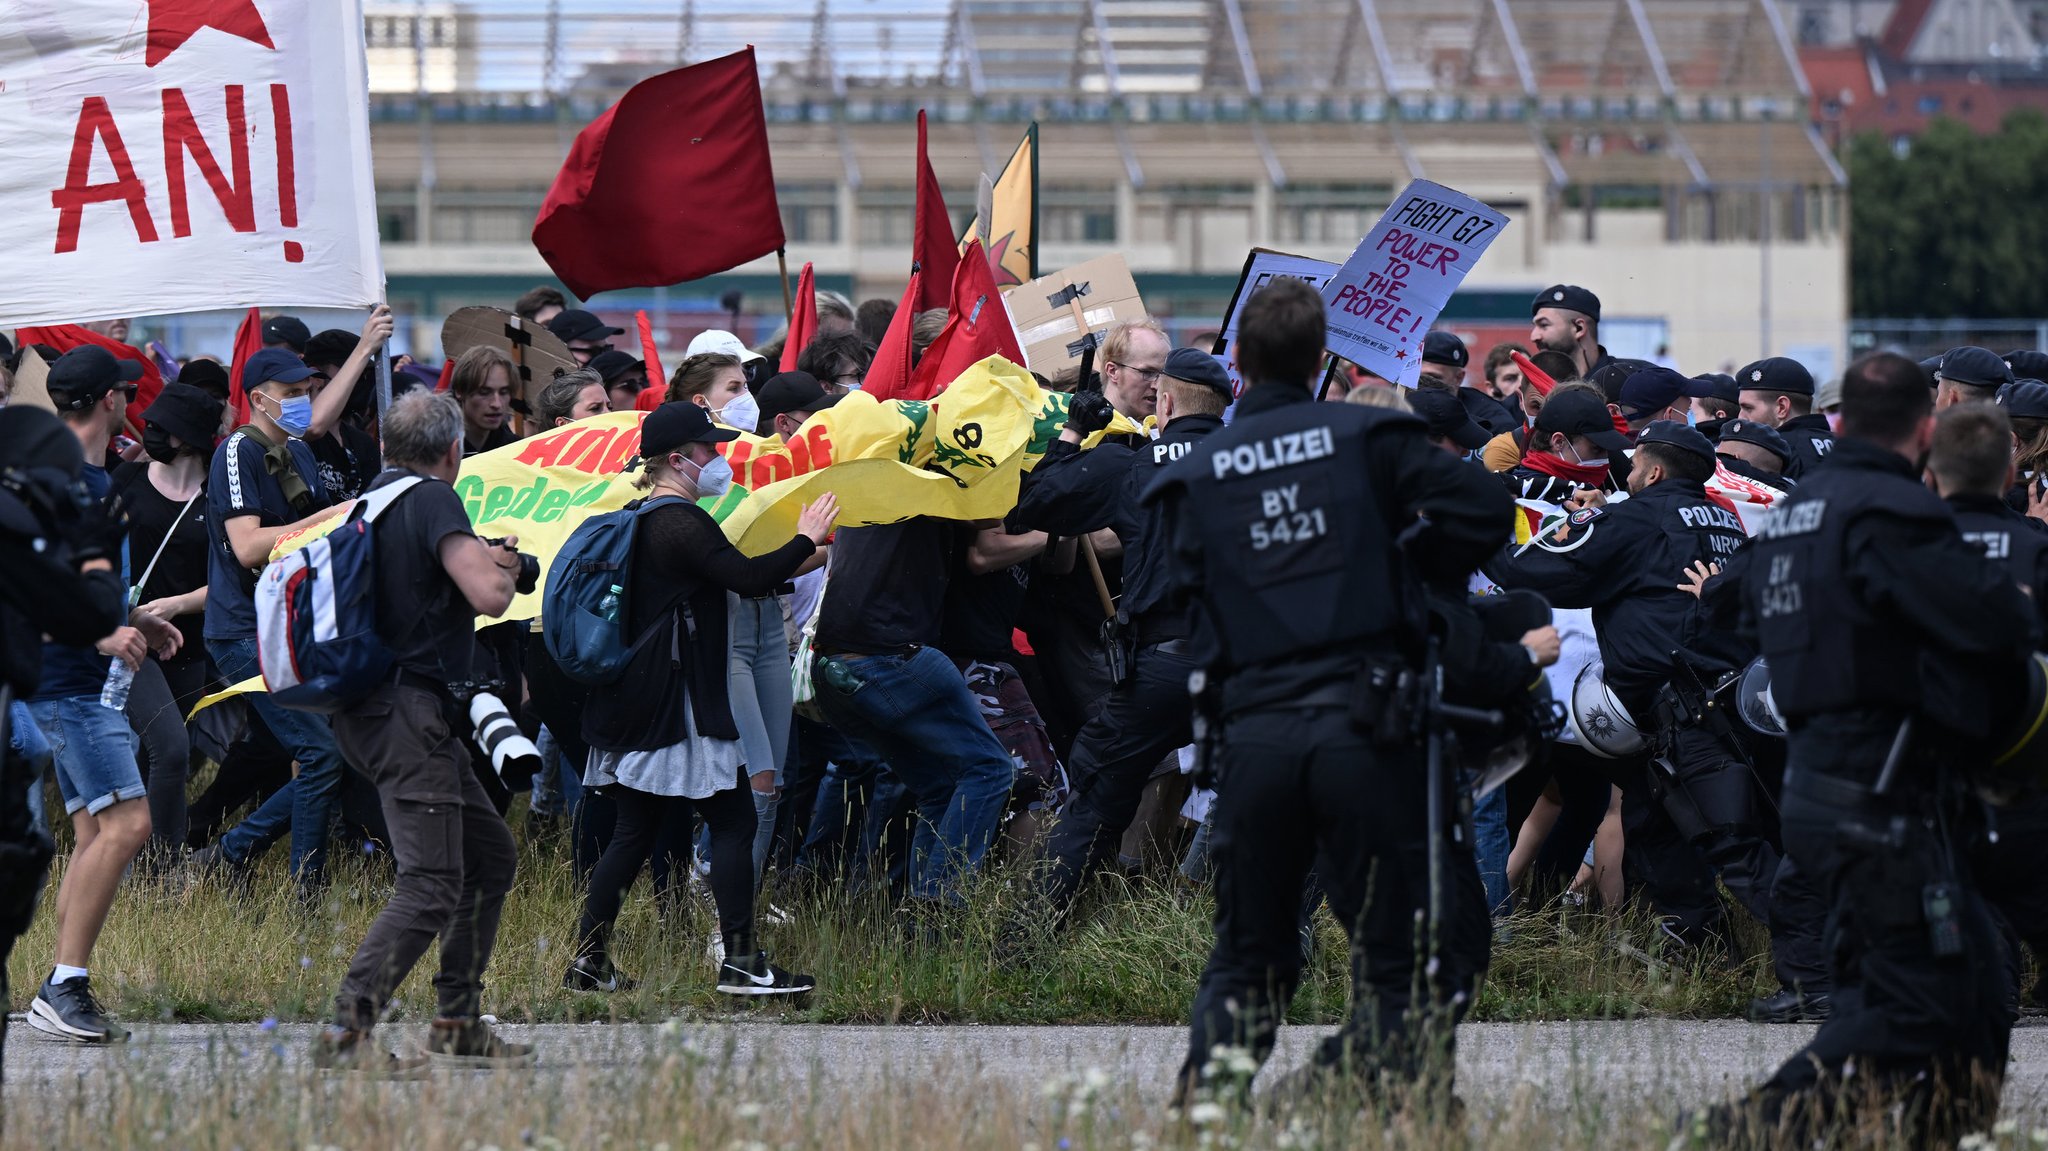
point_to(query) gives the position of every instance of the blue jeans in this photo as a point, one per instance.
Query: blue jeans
(1490, 846)
(93, 751)
(303, 806)
(558, 788)
(915, 710)
(760, 692)
(28, 740)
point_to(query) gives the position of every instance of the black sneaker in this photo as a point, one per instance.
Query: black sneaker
(1788, 1006)
(344, 1051)
(471, 1043)
(211, 864)
(757, 976)
(69, 1012)
(596, 973)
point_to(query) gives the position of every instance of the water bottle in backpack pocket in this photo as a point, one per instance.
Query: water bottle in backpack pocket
(584, 609)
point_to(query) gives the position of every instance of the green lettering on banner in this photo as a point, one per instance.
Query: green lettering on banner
(551, 506)
(495, 502)
(725, 504)
(523, 503)
(589, 493)
(471, 489)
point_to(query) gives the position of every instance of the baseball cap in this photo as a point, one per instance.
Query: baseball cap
(677, 423)
(1654, 389)
(2025, 399)
(612, 363)
(1720, 386)
(2026, 365)
(1829, 395)
(1751, 432)
(1446, 417)
(289, 331)
(333, 346)
(207, 375)
(1975, 367)
(577, 324)
(273, 365)
(1195, 366)
(1444, 348)
(1776, 374)
(187, 412)
(1610, 376)
(84, 375)
(789, 392)
(723, 343)
(1581, 414)
(1570, 297)
(1673, 434)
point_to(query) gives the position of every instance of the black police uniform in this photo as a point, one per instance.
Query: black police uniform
(1283, 529)
(1811, 440)
(1070, 493)
(1872, 607)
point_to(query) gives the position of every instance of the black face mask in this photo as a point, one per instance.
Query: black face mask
(157, 442)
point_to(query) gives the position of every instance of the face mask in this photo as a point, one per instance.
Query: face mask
(157, 442)
(712, 478)
(740, 412)
(1692, 418)
(1584, 462)
(294, 416)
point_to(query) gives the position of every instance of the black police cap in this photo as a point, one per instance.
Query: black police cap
(1751, 432)
(2025, 399)
(1444, 348)
(1721, 386)
(1570, 297)
(2027, 365)
(1447, 417)
(1673, 434)
(1776, 374)
(1195, 366)
(1975, 367)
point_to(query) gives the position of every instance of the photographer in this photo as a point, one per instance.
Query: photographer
(454, 853)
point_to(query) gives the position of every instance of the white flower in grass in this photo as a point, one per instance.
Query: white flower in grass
(2040, 1136)
(2005, 1127)
(1205, 1113)
(748, 1111)
(1975, 1141)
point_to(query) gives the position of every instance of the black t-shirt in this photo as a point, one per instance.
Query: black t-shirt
(981, 613)
(153, 515)
(348, 460)
(888, 586)
(423, 617)
(499, 437)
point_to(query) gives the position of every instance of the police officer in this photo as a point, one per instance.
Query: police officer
(1147, 714)
(1969, 375)
(1721, 403)
(1753, 451)
(1886, 632)
(1566, 318)
(1284, 530)
(2027, 365)
(2025, 401)
(1663, 665)
(1778, 393)
(1444, 360)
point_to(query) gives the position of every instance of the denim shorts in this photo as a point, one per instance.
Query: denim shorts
(93, 750)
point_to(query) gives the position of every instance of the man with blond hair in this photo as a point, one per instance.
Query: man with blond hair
(1133, 357)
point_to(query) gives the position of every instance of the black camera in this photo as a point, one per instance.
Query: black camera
(529, 567)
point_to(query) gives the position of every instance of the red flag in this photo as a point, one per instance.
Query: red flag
(653, 395)
(934, 250)
(671, 183)
(447, 375)
(803, 322)
(248, 342)
(65, 337)
(648, 358)
(978, 328)
(889, 374)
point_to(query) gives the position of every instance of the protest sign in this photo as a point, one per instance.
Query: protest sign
(1261, 267)
(1397, 281)
(179, 154)
(1043, 311)
(536, 352)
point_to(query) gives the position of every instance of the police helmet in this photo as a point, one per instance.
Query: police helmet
(2020, 760)
(1598, 721)
(1755, 703)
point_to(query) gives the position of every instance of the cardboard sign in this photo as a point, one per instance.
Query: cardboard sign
(538, 353)
(30, 386)
(1385, 297)
(1261, 267)
(1044, 311)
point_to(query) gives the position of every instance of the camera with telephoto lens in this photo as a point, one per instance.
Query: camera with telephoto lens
(512, 755)
(529, 567)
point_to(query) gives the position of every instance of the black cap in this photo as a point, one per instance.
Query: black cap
(788, 392)
(1195, 366)
(207, 375)
(1447, 417)
(273, 365)
(676, 423)
(2025, 399)
(6, 348)
(1580, 414)
(84, 375)
(1975, 367)
(1720, 386)
(187, 412)
(1776, 374)
(613, 363)
(1570, 297)
(1610, 376)
(1672, 434)
(1444, 348)
(333, 346)
(1654, 389)
(2027, 365)
(577, 324)
(289, 331)
(1751, 432)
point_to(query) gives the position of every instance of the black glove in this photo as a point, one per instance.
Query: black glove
(1089, 412)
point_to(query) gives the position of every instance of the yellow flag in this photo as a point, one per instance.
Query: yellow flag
(1013, 219)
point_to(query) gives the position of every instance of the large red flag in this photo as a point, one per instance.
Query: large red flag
(803, 321)
(65, 337)
(978, 328)
(889, 374)
(934, 248)
(248, 342)
(671, 183)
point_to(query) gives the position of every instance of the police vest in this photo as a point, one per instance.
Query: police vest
(1297, 557)
(1828, 651)
(2009, 539)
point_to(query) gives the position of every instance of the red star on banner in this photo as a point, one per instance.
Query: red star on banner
(172, 22)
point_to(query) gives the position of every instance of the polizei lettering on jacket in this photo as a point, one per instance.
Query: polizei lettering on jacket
(1277, 452)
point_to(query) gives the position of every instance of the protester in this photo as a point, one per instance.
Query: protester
(348, 455)
(871, 319)
(838, 361)
(717, 383)
(584, 333)
(283, 332)
(624, 378)
(1503, 375)
(482, 384)
(835, 314)
(539, 305)
(572, 396)
(789, 399)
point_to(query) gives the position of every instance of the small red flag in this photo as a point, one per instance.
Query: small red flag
(653, 395)
(889, 374)
(649, 359)
(803, 322)
(248, 342)
(65, 337)
(978, 328)
(934, 249)
(672, 183)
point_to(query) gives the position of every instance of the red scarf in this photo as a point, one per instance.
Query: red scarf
(1551, 464)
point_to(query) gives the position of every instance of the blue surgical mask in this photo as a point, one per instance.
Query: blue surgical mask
(1692, 417)
(713, 478)
(295, 416)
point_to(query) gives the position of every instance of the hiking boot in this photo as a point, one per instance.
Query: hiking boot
(1788, 1006)
(757, 976)
(596, 973)
(471, 1043)
(341, 1050)
(68, 1011)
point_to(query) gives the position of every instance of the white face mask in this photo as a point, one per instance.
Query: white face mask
(740, 412)
(1585, 461)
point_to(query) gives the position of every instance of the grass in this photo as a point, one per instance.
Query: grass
(1133, 956)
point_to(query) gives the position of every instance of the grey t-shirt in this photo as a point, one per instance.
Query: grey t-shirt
(423, 617)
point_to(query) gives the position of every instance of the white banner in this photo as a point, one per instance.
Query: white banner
(1401, 275)
(1261, 268)
(172, 155)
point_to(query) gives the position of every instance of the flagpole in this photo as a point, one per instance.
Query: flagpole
(788, 307)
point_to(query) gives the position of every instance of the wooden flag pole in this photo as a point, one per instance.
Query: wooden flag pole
(788, 306)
